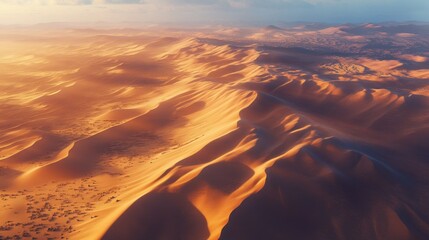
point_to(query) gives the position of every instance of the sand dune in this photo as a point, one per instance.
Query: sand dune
(225, 133)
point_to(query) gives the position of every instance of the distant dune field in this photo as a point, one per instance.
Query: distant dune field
(302, 133)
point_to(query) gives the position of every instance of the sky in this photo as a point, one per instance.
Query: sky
(259, 12)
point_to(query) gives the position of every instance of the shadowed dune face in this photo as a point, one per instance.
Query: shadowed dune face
(160, 216)
(270, 133)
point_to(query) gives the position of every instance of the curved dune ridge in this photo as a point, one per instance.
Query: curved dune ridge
(215, 134)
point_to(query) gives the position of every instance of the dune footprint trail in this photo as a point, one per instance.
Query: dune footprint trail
(129, 135)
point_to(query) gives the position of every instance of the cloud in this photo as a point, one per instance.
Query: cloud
(68, 2)
(238, 3)
(235, 11)
(270, 4)
(234, 4)
(188, 2)
(72, 2)
(123, 1)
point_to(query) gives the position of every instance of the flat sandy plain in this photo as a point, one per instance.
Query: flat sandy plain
(307, 132)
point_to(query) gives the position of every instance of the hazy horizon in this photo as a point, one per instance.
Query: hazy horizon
(191, 12)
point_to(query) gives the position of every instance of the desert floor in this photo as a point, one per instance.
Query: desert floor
(308, 132)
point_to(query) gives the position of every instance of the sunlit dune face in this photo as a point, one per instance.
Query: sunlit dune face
(381, 66)
(423, 73)
(356, 38)
(406, 35)
(414, 58)
(220, 133)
